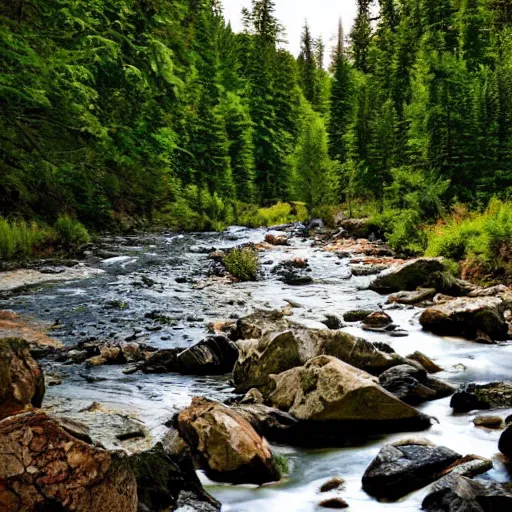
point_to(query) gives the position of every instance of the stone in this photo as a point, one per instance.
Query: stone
(275, 239)
(326, 390)
(505, 442)
(215, 355)
(425, 362)
(333, 322)
(332, 484)
(357, 315)
(21, 378)
(336, 503)
(407, 276)
(493, 422)
(494, 395)
(467, 317)
(406, 466)
(377, 319)
(276, 353)
(456, 493)
(162, 361)
(225, 444)
(261, 322)
(356, 228)
(413, 385)
(44, 467)
(413, 297)
(163, 480)
(492, 291)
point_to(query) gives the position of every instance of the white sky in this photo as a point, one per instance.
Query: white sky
(322, 16)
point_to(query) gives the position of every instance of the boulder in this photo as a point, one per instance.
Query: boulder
(468, 318)
(377, 319)
(456, 493)
(164, 480)
(332, 484)
(215, 355)
(413, 385)
(335, 503)
(225, 444)
(44, 467)
(407, 276)
(492, 422)
(277, 239)
(328, 390)
(276, 353)
(356, 228)
(425, 362)
(405, 466)
(357, 315)
(505, 443)
(21, 377)
(494, 395)
(445, 283)
(414, 297)
(261, 322)
(162, 361)
(333, 322)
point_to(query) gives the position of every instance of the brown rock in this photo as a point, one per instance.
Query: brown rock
(21, 378)
(43, 467)
(377, 319)
(333, 503)
(226, 445)
(333, 483)
(494, 422)
(414, 297)
(425, 362)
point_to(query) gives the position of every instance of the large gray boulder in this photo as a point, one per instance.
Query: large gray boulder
(275, 353)
(327, 390)
(407, 276)
(471, 318)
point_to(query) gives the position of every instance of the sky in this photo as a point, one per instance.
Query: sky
(322, 15)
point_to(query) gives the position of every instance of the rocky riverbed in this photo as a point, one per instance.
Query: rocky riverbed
(120, 313)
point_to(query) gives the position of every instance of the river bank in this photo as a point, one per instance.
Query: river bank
(158, 290)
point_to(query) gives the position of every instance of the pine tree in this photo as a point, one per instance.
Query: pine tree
(360, 36)
(308, 66)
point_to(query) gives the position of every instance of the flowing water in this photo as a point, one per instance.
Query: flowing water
(164, 275)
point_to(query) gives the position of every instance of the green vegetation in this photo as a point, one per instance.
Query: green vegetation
(482, 240)
(242, 263)
(282, 465)
(70, 232)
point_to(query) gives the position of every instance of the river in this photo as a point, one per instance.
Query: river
(164, 274)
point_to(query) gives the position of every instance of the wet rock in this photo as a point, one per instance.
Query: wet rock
(276, 353)
(493, 422)
(131, 352)
(492, 291)
(456, 493)
(505, 443)
(413, 385)
(275, 239)
(260, 322)
(425, 362)
(367, 270)
(295, 278)
(405, 466)
(467, 317)
(332, 484)
(12, 326)
(226, 445)
(357, 315)
(162, 361)
(414, 297)
(52, 379)
(336, 503)
(494, 395)
(333, 322)
(164, 481)
(407, 276)
(44, 467)
(21, 377)
(215, 355)
(377, 319)
(445, 283)
(253, 396)
(326, 389)
(293, 272)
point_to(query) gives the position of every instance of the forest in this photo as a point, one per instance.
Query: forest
(156, 109)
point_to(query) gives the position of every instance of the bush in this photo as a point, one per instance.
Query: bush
(242, 263)
(70, 232)
(19, 239)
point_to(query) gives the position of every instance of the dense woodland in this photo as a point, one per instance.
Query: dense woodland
(157, 109)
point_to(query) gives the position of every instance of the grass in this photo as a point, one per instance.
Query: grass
(481, 240)
(242, 263)
(71, 233)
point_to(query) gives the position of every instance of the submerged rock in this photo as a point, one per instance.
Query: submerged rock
(21, 377)
(44, 467)
(414, 297)
(413, 385)
(215, 355)
(456, 493)
(326, 389)
(332, 484)
(405, 466)
(261, 322)
(276, 353)
(407, 276)
(226, 445)
(467, 317)
(494, 395)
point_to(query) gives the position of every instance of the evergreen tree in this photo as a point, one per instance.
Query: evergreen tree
(360, 36)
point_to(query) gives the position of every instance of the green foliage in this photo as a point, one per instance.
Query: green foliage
(485, 237)
(281, 464)
(70, 232)
(242, 263)
(19, 239)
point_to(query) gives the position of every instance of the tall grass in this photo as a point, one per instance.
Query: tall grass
(71, 233)
(242, 263)
(18, 239)
(482, 239)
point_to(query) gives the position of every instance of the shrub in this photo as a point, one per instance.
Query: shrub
(71, 232)
(242, 263)
(19, 239)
